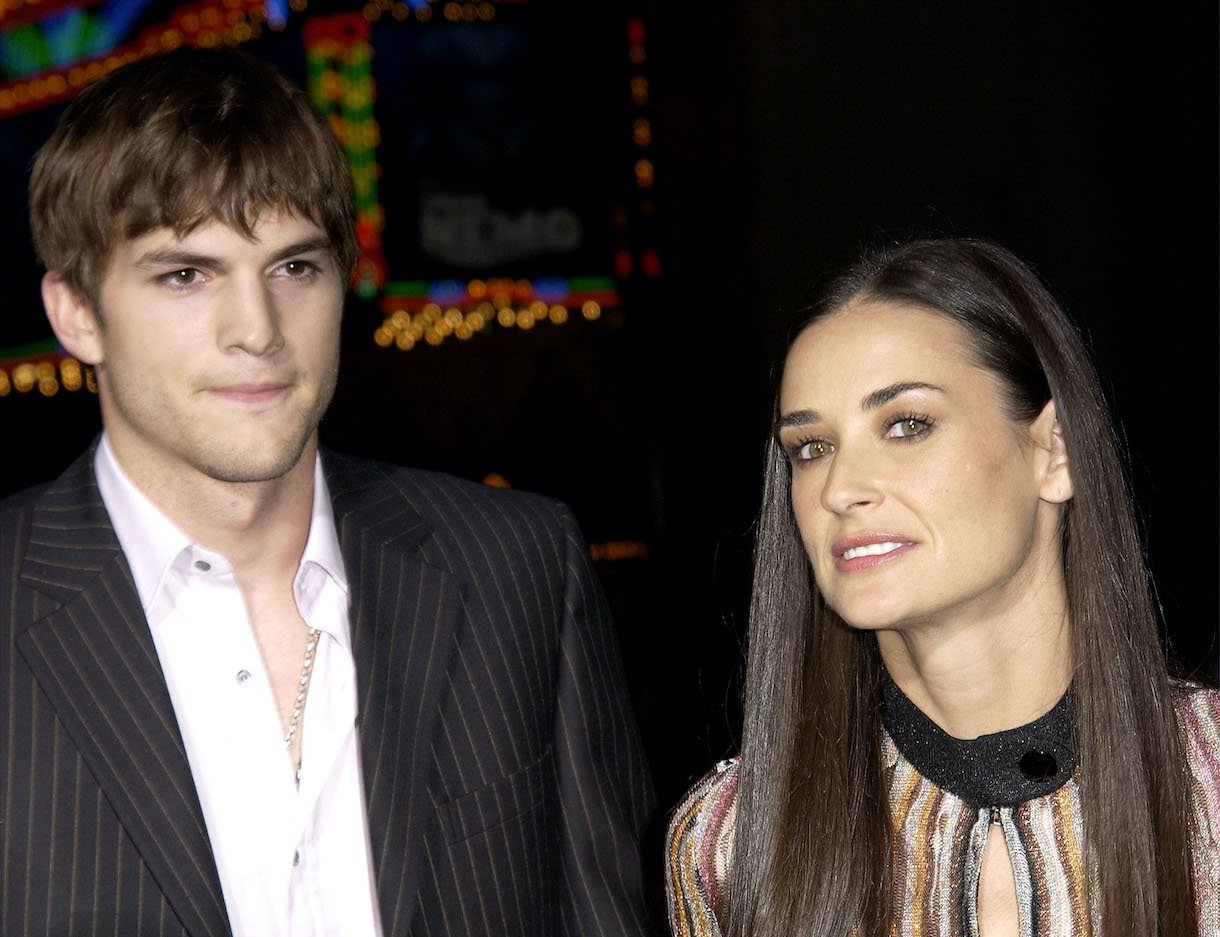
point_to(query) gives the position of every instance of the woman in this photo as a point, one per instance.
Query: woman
(958, 717)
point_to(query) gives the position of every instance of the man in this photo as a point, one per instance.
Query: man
(249, 688)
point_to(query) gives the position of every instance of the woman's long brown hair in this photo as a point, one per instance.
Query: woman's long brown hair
(813, 842)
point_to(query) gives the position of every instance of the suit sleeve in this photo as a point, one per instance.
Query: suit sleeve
(604, 782)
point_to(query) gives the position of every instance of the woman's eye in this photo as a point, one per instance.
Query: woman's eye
(907, 427)
(812, 450)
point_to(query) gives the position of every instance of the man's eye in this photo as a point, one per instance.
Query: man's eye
(177, 279)
(299, 269)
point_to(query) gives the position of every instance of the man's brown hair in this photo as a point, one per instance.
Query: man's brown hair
(177, 140)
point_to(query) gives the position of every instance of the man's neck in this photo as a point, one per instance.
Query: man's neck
(260, 527)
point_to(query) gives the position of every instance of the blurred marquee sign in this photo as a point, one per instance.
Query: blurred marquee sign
(490, 143)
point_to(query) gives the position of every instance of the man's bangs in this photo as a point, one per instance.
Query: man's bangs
(237, 195)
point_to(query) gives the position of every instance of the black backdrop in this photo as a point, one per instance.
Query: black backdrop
(798, 132)
(786, 135)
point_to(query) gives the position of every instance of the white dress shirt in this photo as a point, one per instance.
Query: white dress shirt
(292, 862)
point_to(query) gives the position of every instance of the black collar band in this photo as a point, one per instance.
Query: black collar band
(999, 770)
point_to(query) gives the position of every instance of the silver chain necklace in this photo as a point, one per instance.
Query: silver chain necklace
(298, 703)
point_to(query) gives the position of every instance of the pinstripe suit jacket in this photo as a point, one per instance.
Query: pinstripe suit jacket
(505, 782)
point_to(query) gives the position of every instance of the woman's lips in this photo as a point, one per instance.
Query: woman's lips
(866, 551)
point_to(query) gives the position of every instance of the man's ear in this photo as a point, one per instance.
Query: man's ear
(1055, 483)
(73, 319)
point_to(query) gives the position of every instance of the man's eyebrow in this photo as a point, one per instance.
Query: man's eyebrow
(311, 245)
(878, 398)
(178, 257)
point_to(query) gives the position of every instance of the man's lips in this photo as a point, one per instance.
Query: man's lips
(864, 551)
(254, 393)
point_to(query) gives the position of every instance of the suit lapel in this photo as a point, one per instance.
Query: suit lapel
(406, 616)
(95, 660)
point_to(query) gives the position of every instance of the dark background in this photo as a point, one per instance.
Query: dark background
(797, 132)
(786, 137)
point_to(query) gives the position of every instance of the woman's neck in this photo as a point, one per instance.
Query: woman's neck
(977, 681)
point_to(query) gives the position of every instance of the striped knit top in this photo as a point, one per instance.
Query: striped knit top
(939, 833)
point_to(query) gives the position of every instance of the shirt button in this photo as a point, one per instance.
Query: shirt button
(202, 565)
(242, 676)
(296, 858)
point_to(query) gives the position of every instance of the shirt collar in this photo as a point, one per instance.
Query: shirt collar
(151, 541)
(322, 549)
(998, 770)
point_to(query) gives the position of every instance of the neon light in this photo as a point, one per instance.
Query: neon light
(31, 11)
(551, 288)
(446, 291)
(338, 53)
(277, 13)
(16, 354)
(415, 294)
(65, 33)
(23, 50)
(42, 83)
(113, 21)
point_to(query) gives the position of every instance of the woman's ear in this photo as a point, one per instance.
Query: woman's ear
(1055, 483)
(73, 319)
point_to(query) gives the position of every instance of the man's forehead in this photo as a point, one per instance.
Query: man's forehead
(269, 233)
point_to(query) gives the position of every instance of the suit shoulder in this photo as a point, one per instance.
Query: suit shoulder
(444, 501)
(17, 513)
(72, 485)
(460, 492)
(434, 485)
(17, 509)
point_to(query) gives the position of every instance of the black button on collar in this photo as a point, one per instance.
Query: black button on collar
(1038, 766)
(1000, 769)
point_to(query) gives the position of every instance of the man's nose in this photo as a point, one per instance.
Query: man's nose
(251, 319)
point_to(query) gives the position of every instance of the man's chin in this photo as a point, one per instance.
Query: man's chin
(250, 467)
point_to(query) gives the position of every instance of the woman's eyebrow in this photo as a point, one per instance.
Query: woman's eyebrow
(883, 395)
(797, 418)
(871, 401)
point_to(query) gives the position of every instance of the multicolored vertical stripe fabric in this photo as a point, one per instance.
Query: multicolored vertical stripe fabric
(938, 847)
